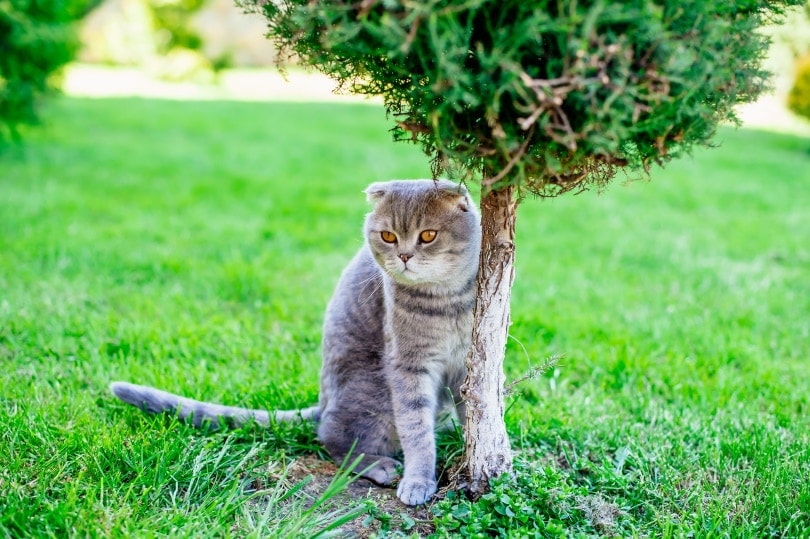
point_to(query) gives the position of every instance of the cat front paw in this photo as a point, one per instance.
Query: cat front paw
(384, 471)
(415, 491)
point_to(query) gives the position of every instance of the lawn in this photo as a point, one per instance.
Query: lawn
(194, 245)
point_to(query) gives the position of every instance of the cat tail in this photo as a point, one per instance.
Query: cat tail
(200, 413)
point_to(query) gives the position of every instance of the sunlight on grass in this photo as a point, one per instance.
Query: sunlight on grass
(194, 245)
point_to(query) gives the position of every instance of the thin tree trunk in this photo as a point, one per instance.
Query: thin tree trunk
(487, 451)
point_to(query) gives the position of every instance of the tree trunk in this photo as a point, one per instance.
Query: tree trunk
(487, 450)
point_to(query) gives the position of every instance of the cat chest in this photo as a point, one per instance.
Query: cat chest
(432, 319)
(413, 306)
(437, 330)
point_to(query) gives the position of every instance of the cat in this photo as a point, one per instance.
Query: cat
(395, 337)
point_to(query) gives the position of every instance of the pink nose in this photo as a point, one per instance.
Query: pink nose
(405, 257)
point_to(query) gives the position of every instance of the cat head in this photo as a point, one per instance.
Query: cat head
(423, 231)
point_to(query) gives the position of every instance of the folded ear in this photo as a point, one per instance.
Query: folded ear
(455, 193)
(376, 191)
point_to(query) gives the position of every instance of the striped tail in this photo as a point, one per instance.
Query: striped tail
(200, 413)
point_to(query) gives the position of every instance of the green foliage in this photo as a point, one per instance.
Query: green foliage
(799, 96)
(533, 503)
(547, 94)
(172, 19)
(387, 524)
(36, 38)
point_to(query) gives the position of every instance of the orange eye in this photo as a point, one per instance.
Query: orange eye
(427, 236)
(388, 237)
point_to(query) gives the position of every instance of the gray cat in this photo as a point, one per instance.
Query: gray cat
(395, 337)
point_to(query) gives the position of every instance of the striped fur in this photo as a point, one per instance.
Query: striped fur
(395, 337)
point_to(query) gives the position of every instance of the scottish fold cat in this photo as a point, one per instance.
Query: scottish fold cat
(395, 336)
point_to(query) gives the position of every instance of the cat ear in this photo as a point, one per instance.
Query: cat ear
(456, 194)
(376, 191)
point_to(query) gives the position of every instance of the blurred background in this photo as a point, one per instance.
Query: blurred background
(210, 49)
(181, 48)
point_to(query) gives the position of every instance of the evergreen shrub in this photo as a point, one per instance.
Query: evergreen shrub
(37, 37)
(547, 94)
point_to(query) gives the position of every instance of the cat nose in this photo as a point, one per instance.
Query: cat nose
(405, 257)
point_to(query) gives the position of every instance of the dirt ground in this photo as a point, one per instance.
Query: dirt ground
(322, 473)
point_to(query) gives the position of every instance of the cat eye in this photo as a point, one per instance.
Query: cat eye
(388, 237)
(427, 236)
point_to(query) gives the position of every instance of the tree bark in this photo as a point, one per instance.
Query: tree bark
(487, 450)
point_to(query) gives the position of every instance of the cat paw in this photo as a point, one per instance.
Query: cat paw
(384, 472)
(415, 491)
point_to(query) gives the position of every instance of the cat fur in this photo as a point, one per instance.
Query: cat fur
(395, 337)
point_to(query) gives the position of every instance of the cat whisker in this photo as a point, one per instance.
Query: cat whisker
(378, 282)
(370, 279)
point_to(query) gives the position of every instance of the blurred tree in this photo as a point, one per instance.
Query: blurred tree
(162, 34)
(37, 37)
(536, 97)
(173, 22)
(799, 95)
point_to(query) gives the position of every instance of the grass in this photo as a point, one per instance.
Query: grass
(193, 246)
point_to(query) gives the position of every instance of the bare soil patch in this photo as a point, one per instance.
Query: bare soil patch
(393, 514)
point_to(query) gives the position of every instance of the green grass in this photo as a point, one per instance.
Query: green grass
(193, 246)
